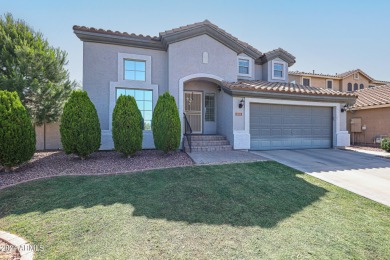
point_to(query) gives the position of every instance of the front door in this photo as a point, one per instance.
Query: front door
(193, 110)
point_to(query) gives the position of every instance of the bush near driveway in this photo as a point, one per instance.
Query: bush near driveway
(166, 124)
(385, 144)
(17, 134)
(80, 127)
(127, 126)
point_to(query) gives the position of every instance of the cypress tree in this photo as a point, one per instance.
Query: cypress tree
(166, 124)
(80, 127)
(127, 126)
(17, 135)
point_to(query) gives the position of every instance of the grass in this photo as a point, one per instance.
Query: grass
(253, 210)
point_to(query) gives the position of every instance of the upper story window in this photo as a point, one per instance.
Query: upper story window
(361, 86)
(355, 87)
(243, 66)
(278, 70)
(306, 81)
(134, 70)
(144, 99)
(349, 87)
(329, 84)
(356, 76)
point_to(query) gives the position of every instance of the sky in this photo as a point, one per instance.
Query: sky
(326, 36)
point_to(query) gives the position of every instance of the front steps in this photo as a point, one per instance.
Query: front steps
(207, 143)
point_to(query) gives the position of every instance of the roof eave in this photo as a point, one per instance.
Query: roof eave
(266, 58)
(118, 40)
(200, 30)
(291, 96)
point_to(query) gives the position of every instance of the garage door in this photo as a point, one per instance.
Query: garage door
(290, 127)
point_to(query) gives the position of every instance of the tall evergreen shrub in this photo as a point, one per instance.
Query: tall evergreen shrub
(80, 127)
(166, 124)
(127, 126)
(17, 134)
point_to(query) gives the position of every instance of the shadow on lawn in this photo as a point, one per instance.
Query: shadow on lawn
(254, 194)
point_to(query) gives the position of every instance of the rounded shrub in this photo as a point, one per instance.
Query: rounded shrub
(385, 144)
(17, 134)
(166, 124)
(80, 127)
(127, 126)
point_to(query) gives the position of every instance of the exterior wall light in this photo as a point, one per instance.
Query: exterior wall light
(241, 104)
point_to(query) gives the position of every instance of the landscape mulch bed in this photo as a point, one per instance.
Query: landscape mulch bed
(57, 163)
(8, 252)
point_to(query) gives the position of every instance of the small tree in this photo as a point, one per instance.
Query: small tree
(34, 69)
(166, 124)
(385, 144)
(80, 127)
(17, 135)
(127, 126)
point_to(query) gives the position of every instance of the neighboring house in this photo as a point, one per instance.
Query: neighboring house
(223, 85)
(347, 82)
(369, 118)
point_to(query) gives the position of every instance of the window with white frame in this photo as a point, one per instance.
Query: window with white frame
(278, 70)
(356, 76)
(329, 84)
(144, 99)
(210, 107)
(243, 66)
(134, 70)
(306, 81)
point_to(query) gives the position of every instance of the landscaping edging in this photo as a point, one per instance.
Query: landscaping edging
(25, 249)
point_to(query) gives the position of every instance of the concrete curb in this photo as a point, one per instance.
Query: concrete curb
(25, 250)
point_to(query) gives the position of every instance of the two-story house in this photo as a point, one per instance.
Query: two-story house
(347, 82)
(222, 86)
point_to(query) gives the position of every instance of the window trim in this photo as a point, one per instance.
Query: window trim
(283, 69)
(124, 69)
(250, 65)
(349, 84)
(356, 74)
(329, 80)
(361, 86)
(129, 56)
(308, 79)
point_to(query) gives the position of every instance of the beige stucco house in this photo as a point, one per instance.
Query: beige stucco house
(369, 118)
(347, 82)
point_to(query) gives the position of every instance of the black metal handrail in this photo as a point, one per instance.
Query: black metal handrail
(187, 131)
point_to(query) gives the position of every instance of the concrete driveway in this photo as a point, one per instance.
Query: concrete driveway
(363, 174)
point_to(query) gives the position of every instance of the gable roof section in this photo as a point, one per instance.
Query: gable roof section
(210, 29)
(286, 89)
(373, 97)
(90, 34)
(277, 53)
(351, 72)
(338, 76)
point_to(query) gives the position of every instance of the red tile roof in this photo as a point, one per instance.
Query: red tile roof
(287, 88)
(373, 97)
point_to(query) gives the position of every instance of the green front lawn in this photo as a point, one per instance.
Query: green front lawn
(254, 210)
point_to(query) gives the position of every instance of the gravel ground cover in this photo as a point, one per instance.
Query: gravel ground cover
(368, 148)
(47, 164)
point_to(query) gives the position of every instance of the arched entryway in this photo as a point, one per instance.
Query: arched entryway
(199, 101)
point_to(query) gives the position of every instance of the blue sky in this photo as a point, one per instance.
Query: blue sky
(325, 36)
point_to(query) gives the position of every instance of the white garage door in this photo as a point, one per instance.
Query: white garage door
(290, 127)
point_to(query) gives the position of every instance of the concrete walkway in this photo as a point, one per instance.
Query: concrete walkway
(361, 173)
(222, 157)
